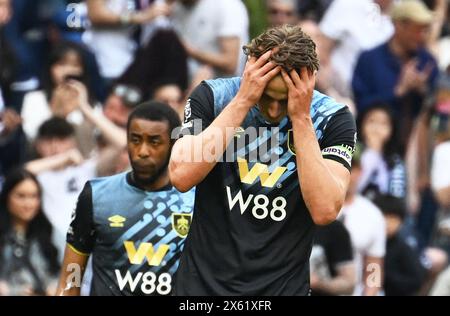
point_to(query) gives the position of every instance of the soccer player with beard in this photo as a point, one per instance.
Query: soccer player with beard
(132, 224)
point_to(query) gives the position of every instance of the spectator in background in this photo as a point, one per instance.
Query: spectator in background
(366, 226)
(213, 33)
(111, 36)
(348, 28)
(162, 60)
(65, 62)
(282, 12)
(324, 81)
(62, 171)
(442, 285)
(12, 141)
(439, 41)
(120, 102)
(257, 12)
(404, 273)
(383, 170)
(28, 259)
(401, 71)
(440, 182)
(12, 138)
(5, 11)
(26, 35)
(172, 95)
(68, 24)
(61, 174)
(431, 129)
(332, 268)
(313, 9)
(7, 60)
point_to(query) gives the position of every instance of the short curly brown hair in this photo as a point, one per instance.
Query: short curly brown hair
(295, 49)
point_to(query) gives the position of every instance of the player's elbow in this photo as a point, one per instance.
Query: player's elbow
(324, 218)
(180, 168)
(325, 214)
(178, 178)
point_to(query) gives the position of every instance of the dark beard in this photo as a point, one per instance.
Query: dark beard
(154, 177)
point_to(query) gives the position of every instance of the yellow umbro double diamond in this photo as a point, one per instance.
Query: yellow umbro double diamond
(116, 221)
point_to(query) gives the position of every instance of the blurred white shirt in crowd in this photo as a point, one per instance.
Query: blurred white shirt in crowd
(356, 25)
(367, 228)
(440, 170)
(203, 24)
(60, 193)
(36, 110)
(2, 106)
(113, 48)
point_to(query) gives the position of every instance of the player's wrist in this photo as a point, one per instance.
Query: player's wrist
(300, 116)
(242, 103)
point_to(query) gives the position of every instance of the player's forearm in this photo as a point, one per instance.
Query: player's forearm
(68, 290)
(193, 157)
(72, 272)
(321, 191)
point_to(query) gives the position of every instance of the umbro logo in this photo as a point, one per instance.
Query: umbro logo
(116, 221)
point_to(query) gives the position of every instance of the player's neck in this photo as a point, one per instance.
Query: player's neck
(159, 183)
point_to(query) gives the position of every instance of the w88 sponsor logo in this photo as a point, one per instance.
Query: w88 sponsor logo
(149, 282)
(262, 208)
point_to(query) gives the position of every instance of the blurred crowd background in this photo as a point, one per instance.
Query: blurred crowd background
(71, 71)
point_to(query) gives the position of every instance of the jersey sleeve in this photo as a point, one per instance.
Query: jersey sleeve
(339, 138)
(81, 233)
(199, 110)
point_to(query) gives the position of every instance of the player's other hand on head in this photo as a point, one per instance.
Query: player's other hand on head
(257, 74)
(301, 88)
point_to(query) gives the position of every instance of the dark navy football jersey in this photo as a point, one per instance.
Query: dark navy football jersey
(135, 236)
(252, 232)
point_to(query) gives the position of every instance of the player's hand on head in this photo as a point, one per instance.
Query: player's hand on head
(257, 74)
(301, 89)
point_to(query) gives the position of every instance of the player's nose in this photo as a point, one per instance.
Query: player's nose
(274, 109)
